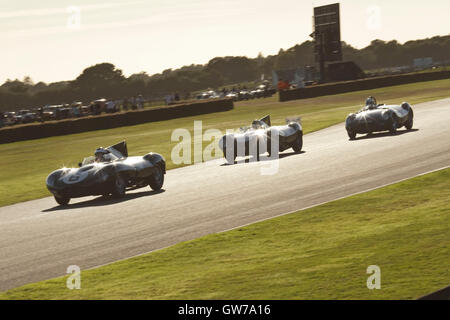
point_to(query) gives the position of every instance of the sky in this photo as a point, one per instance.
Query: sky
(55, 40)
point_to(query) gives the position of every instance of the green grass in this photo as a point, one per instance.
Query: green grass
(25, 165)
(318, 253)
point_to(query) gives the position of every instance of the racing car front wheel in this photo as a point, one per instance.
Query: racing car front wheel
(298, 144)
(118, 190)
(393, 128)
(231, 158)
(351, 135)
(63, 201)
(157, 180)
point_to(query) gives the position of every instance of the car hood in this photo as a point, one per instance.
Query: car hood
(78, 176)
(246, 136)
(370, 114)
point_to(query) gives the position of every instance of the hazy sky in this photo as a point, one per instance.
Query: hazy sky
(52, 40)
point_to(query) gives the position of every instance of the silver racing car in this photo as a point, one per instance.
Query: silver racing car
(261, 137)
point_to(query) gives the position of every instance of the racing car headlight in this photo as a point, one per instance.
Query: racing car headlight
(51, 179)
(386, 115)
(55, 175)
(349, 119)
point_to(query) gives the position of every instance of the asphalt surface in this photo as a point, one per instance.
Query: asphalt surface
(39, 240)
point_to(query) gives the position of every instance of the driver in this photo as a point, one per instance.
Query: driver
(371, 103)
(256, 124)
(101, 155)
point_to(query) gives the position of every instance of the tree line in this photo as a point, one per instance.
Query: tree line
(105, 80)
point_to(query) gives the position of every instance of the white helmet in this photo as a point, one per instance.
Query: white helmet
(371, 102)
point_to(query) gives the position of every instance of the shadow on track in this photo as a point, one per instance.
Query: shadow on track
(249, 159)
(104, 201)
(384, 134)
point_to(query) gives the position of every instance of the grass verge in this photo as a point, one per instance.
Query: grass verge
(25, 165)
(318, 253)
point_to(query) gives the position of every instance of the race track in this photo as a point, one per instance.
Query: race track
(39, 240)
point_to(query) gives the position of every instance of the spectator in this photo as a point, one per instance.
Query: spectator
(133, 103)
(111, 106)
(280, 84)
(283, 85)
(41, 114)
(57, 113)
(140, 102)
(168, 99)
(176, 96)
(75, 110)
(125, 104)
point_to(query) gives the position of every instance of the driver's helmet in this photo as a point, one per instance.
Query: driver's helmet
(256, 124)
(371, 102)
(100, 154)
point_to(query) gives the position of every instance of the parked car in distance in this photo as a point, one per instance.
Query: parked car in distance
(26, 116)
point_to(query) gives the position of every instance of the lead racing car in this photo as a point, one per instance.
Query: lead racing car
(260, 138)
(379, 117)
(109, 171)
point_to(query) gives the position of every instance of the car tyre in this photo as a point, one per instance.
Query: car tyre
(62, 201)
(269, 148)
(156, 181)
(298, 144)
(257, 150)
(410, 122)
(119, 188)
(351, 135)
(234, 153)
(394, 125)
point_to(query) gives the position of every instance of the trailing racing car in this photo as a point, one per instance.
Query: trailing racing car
(258, 139)
(109, 171)
(379, 117)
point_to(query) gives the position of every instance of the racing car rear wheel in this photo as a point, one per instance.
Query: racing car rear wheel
(157, 180)
(118, 190)
(298, 144)
(410, 122)
(63, 201)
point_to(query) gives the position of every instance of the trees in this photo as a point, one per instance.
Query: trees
(105, 80)
(233, 69)
(100, 80)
